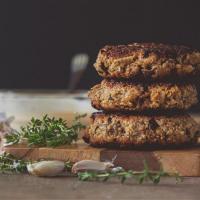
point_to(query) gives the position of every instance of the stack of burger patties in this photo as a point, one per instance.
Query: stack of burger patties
(146, 91)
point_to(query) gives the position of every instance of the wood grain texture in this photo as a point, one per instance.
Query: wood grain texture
(25, 187)
(74, 153)
(184, 161)
(130, 159)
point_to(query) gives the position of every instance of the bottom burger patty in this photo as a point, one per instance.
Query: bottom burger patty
(131, 130)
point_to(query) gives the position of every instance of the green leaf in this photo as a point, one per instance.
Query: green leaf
(85, 176)
(141, 178)
(156, 179)
(123, 178)
(106, 178)
(146, 168)
(178, 178)
(68, 166)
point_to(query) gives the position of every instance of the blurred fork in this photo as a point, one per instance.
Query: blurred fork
(78, 65)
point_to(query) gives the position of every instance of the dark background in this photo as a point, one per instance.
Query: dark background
(40, 37)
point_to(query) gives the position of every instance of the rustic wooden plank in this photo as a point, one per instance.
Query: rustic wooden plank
(186, 161)
(131, 159)
(73, 153)
(23, 152)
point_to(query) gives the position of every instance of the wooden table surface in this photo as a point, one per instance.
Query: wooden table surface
(23, 105)
(25, 187)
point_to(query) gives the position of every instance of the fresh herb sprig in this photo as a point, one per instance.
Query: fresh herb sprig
(49, 132)
(140, 176)
(9, 164)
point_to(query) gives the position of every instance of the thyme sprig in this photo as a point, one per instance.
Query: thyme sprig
(48, 132)
(9, 164)
(140, 176)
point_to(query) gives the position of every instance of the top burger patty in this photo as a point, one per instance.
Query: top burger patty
(149, 60)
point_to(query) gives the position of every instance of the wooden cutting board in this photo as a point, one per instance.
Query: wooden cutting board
(185, 161)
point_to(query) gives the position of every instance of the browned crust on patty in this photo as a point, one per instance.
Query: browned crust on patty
(134, 130)
(148, 60)
(124, 96)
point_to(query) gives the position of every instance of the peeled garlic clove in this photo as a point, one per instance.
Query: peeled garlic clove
(46, 168)
(91, 165)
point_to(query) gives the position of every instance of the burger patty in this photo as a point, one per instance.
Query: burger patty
(148, 60)
(123, 96)
(132, 130)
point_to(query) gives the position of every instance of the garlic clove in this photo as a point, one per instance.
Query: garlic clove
(46, 168)
(91, 165)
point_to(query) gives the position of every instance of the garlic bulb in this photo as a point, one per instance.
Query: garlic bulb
(91, 165)
(46, 168)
